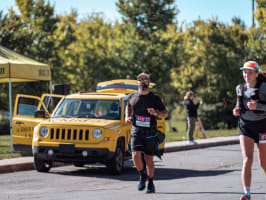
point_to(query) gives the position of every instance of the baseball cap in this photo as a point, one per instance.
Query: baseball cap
(144, 74)
(252, 65)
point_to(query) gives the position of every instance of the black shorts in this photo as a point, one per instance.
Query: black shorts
(142, 139)
(251, 129)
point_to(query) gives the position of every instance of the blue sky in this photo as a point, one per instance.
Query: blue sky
(190, 10)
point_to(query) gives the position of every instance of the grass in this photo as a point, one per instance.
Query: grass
(5, 150)
(179, 135)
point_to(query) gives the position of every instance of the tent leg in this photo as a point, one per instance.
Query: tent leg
(51, 87)
(10, 115)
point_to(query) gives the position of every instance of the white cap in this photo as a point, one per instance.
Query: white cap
(144, 74)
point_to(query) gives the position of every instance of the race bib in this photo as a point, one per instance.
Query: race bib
(143, 121)
(262, 138)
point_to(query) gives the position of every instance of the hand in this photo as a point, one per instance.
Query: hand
(129, 120)
(200, 101)
(252, 104)
(236, 112)
(152, 112)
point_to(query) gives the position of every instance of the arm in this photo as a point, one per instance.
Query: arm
(159, 109)
(262, 96)
(163, 114)
(236, 110)
(128, 114)
(160, 114)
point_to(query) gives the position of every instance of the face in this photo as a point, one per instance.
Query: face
(143, 82)
(249, 75)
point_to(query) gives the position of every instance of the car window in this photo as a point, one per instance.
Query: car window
(89, 108)
(27, 106)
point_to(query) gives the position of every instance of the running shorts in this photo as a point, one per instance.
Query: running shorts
(251, 129)
(142, 139)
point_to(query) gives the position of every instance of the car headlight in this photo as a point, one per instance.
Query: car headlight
(44, 131)
(97, 133)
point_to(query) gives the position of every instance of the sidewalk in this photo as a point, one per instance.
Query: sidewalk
(26, 163)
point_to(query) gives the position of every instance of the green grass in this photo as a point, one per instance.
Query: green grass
(5, 150)
(180, 135)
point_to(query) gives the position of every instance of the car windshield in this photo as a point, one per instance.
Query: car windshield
(89, 108)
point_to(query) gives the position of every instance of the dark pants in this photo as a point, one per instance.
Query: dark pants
(191, 122)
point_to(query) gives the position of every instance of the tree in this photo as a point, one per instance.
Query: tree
(148, 16)
(257, 41)
(213, 53)
(87, 59)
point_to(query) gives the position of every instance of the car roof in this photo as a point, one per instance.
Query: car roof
(119, 86)
(95, 95)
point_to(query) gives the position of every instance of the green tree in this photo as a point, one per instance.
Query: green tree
(148, 16)
(213, 53)
(87, 59)
(257, 41)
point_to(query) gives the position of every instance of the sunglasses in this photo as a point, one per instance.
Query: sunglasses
(142, 79)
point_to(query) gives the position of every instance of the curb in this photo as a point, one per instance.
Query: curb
(20, 164)
(26, 163)
(212, 142)
(16, 164)
(16, 167)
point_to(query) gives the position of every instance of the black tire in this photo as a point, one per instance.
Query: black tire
(116, 164)
(78, 164)
(42, 165)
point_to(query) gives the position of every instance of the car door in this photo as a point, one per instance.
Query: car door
(24, 119)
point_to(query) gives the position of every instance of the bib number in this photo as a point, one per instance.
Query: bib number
(262, 138)
(143, 121)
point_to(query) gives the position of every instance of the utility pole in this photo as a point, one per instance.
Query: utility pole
(253, 23)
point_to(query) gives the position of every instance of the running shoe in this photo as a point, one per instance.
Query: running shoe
(151, 188)
(142, 182)
(245, 197)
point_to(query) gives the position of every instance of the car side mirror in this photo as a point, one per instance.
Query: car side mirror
(39, 114)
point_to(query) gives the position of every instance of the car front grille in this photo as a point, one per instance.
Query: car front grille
(69, 134)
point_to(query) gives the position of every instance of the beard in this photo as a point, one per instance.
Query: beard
(143, 87)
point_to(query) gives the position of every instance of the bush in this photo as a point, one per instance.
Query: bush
(4, 127)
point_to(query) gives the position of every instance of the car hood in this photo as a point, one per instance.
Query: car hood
(81, 122)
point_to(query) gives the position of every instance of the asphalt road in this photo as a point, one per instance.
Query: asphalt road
(205, 174)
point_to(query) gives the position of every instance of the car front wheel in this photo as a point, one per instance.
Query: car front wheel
(42, 165)
(116, 164)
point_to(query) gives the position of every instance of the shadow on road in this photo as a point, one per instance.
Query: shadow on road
(130, 173)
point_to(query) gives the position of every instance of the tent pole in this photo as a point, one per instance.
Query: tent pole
(10, 115)
(51, 87)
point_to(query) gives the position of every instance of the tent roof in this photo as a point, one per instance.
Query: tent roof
(20, 68)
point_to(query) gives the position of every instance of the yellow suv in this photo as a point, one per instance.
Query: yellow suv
(83, 128)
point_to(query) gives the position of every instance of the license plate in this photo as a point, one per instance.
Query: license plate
(66, 148)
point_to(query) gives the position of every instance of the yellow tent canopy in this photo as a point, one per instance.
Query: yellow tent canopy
(17, 68)
(20, 68)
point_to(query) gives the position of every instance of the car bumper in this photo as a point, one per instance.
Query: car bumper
(70, 154)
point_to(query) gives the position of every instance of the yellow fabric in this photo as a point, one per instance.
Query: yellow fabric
(20, 68)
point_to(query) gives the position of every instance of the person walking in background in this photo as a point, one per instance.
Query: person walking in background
(192, 115)
(251, 109)
(142, 109)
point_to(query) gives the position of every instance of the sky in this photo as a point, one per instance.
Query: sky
(189, 10)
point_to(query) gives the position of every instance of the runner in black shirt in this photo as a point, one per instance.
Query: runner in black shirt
(142, 109)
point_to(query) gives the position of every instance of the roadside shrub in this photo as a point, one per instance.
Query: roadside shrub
(4, 127)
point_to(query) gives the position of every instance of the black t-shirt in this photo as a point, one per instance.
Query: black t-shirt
(139, 104)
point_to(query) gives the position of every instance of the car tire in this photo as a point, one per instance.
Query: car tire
(42, 165)
(78, 164)
(116, 164)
